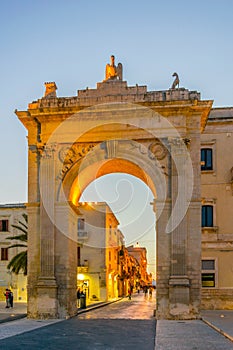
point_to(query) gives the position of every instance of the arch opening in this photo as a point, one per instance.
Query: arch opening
(130, 262)
(131, 201)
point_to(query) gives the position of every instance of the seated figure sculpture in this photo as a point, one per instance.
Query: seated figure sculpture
(113, 72)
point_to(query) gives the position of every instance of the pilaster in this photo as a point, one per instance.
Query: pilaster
(163, 258)
(46, 284)
(179, 284)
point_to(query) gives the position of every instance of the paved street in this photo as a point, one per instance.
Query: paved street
(127, 324)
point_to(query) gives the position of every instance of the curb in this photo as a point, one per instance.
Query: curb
(13, 318)
(97, 306)
(219, 330)
(79, 311)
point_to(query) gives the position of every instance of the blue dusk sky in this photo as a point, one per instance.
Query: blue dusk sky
(70, 42)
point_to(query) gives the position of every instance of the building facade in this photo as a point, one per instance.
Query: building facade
(99, 242)
(217, 210)
(11, 214)
(140, 254)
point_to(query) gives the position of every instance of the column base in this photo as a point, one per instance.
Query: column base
(179, 298)
(47, 306)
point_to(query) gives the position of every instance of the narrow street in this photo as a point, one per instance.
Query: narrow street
(138, 308)
(126, 324)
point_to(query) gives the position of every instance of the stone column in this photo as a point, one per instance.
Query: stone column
(179, 282)
(66, 258)
(46, 285)
(163, 258)
(33, 252)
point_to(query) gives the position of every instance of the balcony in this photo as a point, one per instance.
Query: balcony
(83, 268)
(82, 236)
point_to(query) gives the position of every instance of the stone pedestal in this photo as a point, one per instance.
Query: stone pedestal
(179, 297)
(47, 298)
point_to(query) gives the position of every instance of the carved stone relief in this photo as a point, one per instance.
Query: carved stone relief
(157, 150)
(69, 155)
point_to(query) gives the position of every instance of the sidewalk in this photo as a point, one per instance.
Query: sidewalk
(18, 311)
(221, 321)
(214, 331)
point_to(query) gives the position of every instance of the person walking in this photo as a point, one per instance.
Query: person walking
(129, 293)
(145, 290)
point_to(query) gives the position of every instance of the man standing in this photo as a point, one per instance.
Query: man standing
(7, 295)
(78, 296)
(11, 298)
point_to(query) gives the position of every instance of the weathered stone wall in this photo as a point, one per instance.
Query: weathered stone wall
(128, 137)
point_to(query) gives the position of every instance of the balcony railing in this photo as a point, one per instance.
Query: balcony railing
(82, 235)
(82, 268)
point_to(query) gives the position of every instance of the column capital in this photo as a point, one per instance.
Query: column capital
(46, 150)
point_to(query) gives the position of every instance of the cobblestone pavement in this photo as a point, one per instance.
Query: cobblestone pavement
(127, 324)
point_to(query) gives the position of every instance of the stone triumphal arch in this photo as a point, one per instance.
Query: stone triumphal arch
(154, 136)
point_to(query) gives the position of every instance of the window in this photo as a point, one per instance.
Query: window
(4, 253)
(208, 275)
(79, 256)
(206, 159)
(4, 225)
(208, 279)
(207, 216)
(81, 224)
(208, 264)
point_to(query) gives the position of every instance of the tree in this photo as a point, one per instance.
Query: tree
(19, 261)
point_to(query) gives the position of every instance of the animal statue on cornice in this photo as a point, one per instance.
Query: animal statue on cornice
(176, 82)
(112, 72)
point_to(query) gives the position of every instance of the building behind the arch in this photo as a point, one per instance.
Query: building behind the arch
(217, 204)
(11, 214)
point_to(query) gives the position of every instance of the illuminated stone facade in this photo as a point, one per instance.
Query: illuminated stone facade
(99, 242)
(153, 135)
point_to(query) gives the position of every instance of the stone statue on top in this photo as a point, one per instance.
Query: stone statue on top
(112, 72)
